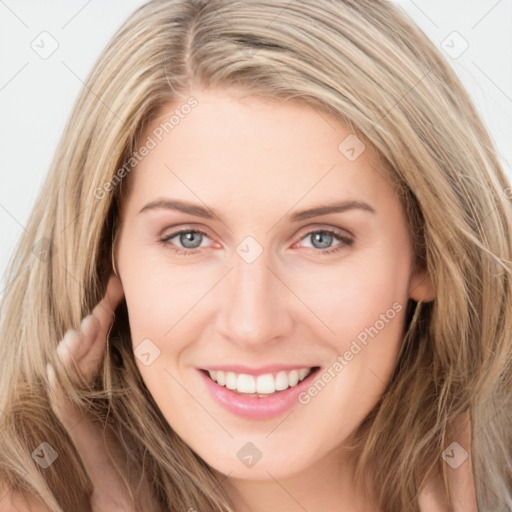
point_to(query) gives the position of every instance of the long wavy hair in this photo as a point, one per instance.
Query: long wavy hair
(364, 62)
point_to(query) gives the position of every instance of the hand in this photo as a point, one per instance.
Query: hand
(81, 353)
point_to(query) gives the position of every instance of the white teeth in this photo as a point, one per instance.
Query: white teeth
(246, 383)
(293, 378)
(303, 373)
(263, 384)
(281, 381)
(231, 380)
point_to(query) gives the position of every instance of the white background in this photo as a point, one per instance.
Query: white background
(36, 95)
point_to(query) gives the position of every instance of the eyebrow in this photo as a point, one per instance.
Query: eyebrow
(210, 213)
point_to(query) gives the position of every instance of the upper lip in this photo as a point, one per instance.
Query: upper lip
(261, 370)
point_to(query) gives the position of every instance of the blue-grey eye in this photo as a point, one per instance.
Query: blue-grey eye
(190, 239)
(323, 238)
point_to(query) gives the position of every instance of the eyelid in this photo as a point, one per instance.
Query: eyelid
(174, 230)
(323, 227)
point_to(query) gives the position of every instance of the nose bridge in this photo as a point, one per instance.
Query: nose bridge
(254, 309)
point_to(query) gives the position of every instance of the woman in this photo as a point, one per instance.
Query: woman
(301, 144)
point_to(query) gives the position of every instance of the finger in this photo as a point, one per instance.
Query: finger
(82, 351)
(67, 348)
(99, 326)
(74, 348)
(92, 349)
(88, 331)
(104, 311)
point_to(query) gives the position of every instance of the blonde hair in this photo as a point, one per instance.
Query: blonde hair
(368, 65)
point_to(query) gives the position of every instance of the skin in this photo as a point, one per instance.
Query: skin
(255, 162)
(81, 352)
(250, 316)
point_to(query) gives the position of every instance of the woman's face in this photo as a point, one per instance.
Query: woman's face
(270, 277)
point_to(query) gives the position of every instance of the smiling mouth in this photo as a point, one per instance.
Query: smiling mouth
(260, 386)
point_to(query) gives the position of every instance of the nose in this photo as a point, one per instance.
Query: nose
(255, 308)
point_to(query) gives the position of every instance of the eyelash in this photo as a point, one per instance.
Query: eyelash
(346, 242)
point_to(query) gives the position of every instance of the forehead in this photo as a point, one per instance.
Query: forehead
(230, 149)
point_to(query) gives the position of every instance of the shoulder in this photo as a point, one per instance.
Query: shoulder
(11, 501)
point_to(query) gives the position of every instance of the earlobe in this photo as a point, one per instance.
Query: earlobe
(421, 287)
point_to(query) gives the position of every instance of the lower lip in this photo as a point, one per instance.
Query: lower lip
(255, 408)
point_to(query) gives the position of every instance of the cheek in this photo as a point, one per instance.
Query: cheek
(160, 313)
(168, 310)
(352, 295)
(158, 293)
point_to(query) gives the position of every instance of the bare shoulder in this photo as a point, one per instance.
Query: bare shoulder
(11, 501)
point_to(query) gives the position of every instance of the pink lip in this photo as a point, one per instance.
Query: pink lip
(272, 368)
(252, 407)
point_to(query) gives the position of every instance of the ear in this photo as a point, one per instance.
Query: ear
(421, 287)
